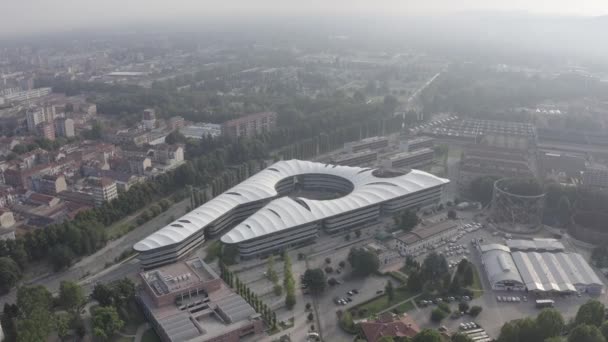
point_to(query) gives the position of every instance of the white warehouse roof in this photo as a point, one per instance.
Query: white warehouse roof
(554, 271)
(283, 213)
(499, 264)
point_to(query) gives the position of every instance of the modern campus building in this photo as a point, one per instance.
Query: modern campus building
(188, 302)
(539, 265)
(356, 159)
(268, 221)
(415, 159)
(373, 143)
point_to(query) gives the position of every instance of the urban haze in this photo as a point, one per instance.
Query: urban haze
(380, 171)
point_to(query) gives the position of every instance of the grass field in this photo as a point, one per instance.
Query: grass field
(380, 303)
(476, 286)
(405, 307)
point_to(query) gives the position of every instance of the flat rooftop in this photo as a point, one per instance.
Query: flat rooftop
(422, 232)
(172, 278)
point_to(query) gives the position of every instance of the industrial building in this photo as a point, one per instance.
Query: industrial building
(267, 221)
(481, 161)
(373, 143)
(423, 236)
(415, 159)
(188, 302)
(539, 266)
(356, 159)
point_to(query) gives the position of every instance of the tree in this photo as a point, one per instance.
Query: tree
(428, 335)
(310, 317)
(61, 257)
(463, 307)
(433, 269)
(363, 262)
(406, 220)
(308, 306)
(414, 282)
(342, 264)
(328, 261)
(452, 214)
(62, 325)
(509, 332)
(71, 296)
(591, 313)
(550, 323)
(475, 310)
(358, 233)
(437, 315)
(347, 237)
(271, 273)
(604, 329)
(346, 322)
(315, 279)
(106, 322)
(564, 211)
(586, 333)
(390, 291)
(103, 294)
(31, 298)
(36, 327)
(278, 290)
(10, 273)
(458, 337)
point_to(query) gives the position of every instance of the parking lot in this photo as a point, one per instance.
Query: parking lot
(498, 306)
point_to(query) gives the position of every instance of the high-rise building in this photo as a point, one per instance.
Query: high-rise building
(47, 130)
(34, 117)
(149, 118)
(64, 127)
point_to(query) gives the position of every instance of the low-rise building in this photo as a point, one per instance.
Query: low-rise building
(479, 161)
(373, 143)
(188, 302)
(424, 236)
(419, 143)
(389, 325)
(49, 184)
(250, 125)
(416, 159)
(356, 159)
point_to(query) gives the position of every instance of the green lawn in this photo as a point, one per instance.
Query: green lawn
(405, 307)
(150, 336)
(476, 287)
(380, 303)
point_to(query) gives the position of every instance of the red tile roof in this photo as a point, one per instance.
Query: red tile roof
(388, 325)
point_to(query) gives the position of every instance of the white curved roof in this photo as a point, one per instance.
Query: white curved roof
(368, 190)
(499, 265)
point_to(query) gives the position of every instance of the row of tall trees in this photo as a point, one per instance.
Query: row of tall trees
(269, 316)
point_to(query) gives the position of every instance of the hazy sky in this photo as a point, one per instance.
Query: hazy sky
(34, 15)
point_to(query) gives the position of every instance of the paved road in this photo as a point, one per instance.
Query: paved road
(96, 263)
